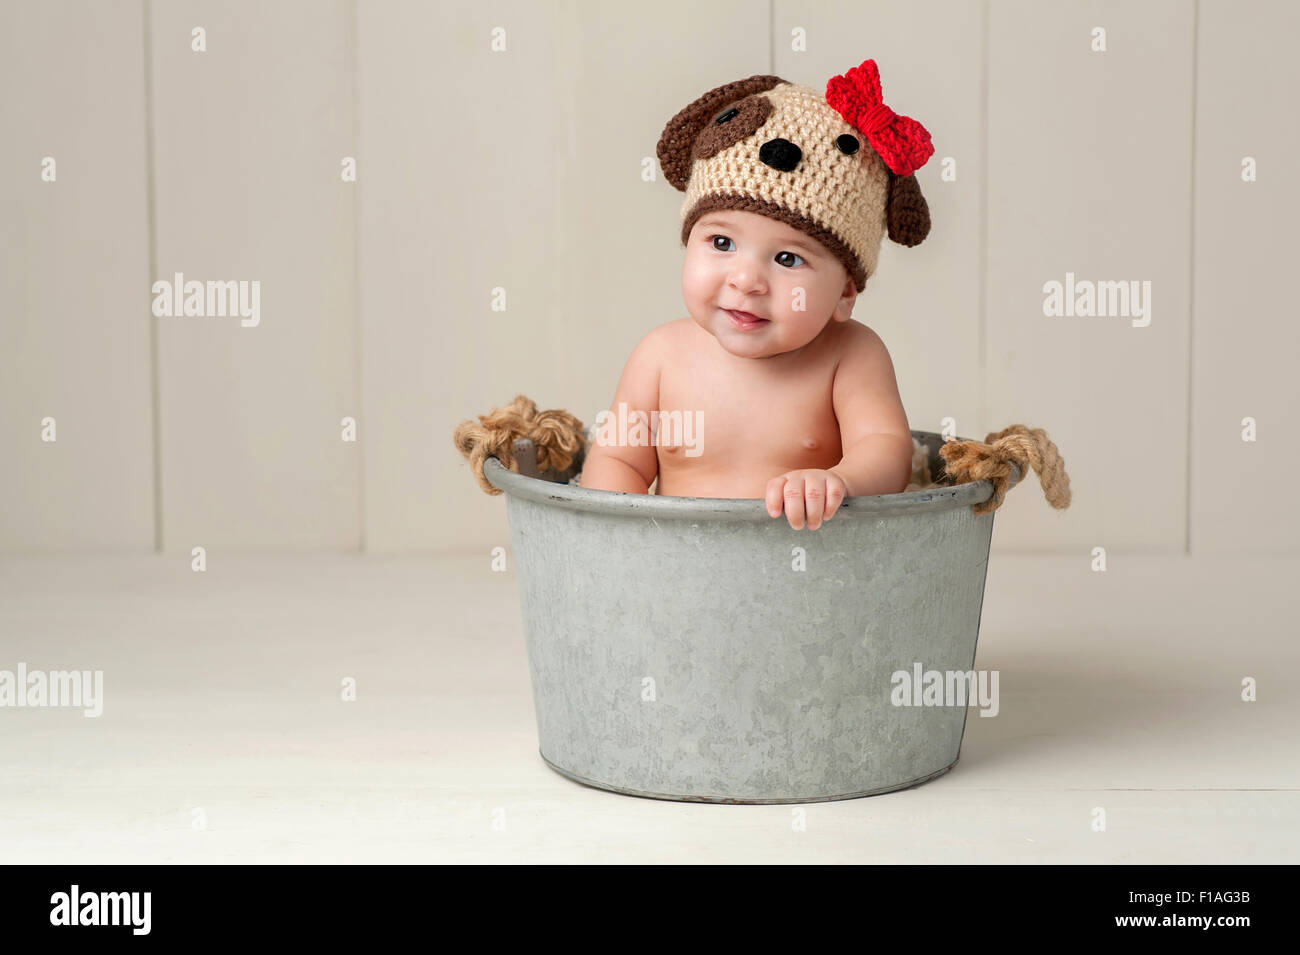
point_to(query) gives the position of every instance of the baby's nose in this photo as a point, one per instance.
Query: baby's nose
(780, 154)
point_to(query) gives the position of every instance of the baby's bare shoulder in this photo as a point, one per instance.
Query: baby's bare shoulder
(859, 343)
(863, 362)
(660, 337)
(857, 335)
(676, 331)
(653, 344)
(666, 340)
(641, 373)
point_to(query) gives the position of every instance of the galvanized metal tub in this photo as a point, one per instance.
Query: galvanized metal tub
(678, 650)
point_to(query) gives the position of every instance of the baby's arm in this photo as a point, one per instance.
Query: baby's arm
(630, 468)
(874, 433)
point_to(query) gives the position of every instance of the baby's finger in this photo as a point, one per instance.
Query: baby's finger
(774, 495)
(794, 502)
(834, 497)
(814, 496)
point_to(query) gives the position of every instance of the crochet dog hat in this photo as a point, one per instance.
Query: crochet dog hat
(837, 167)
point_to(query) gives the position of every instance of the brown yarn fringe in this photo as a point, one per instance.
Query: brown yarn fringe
(558, 435)
(967, 461)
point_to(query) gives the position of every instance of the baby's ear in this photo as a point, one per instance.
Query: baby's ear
(906, 211)
(678, 137)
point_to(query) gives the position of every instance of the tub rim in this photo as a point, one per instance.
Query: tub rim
(592, 500)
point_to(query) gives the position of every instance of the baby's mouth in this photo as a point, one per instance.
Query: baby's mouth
(745, 319)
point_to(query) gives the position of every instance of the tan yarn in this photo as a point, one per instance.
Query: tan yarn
(967, 461)
(837, 165)
(558, 435)
(844, 195)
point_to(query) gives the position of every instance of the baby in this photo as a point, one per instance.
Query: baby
(769, 389)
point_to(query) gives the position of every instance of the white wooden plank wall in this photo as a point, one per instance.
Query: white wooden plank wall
(1247, 324)
(249, 138)
(74, 280)
(500, 150)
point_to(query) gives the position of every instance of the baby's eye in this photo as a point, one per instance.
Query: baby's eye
(714, 239)
(792, 255)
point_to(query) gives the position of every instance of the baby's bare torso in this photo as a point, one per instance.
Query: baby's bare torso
(755, 418)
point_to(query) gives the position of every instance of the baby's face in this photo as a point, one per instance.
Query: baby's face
(748, 262)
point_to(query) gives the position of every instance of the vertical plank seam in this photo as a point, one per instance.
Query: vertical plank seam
(151, 227)
(982, 322)
(771, 37)
(363, 426)
(1191, 290)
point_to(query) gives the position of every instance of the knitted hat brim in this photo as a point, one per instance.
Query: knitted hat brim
(828, 239)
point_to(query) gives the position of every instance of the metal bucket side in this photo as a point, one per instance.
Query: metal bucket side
(693, 658)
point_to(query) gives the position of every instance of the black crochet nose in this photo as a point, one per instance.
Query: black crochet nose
(780, 154)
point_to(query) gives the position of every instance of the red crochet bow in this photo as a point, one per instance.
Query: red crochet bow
(902, 142)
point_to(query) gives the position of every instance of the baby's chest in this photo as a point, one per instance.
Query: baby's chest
(734, 421)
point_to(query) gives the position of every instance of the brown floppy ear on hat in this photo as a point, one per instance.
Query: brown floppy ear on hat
(906, 212)
(678, 147)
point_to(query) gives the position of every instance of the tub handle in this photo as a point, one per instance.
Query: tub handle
(526, 460)
(517, 428)
(1003, 458)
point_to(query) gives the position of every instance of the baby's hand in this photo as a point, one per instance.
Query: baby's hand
(810, 491)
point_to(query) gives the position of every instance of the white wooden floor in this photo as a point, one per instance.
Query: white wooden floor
(224, 739)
